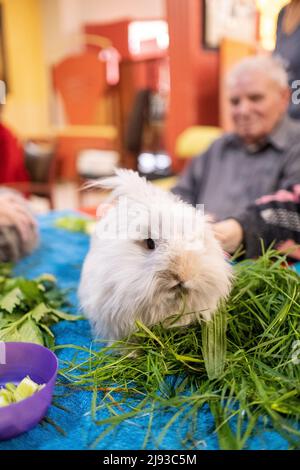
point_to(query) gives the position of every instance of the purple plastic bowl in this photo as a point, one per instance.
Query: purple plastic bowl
(41, 365)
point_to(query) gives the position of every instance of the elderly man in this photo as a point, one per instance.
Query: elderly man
(261, 156)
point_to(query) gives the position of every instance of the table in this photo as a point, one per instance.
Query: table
(61, 253)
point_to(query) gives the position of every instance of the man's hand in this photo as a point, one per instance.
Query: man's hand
(13, 211)
(229, 233)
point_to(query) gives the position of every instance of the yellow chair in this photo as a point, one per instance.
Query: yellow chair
(165, 183)
(195, 140)
(191, 142)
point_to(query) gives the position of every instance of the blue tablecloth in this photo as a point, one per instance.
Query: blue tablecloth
(61, 253)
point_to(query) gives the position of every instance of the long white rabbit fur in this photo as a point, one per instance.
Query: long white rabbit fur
(122, 280)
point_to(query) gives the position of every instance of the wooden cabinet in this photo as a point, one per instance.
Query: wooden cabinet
(144, 68)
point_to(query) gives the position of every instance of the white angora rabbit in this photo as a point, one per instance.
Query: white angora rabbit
(150, 254)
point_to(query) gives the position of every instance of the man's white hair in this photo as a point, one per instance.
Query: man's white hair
(271, 66)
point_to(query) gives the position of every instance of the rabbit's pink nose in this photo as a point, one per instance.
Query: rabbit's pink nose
(176, 282)
(180, 284)
(184, 286)
(187, 285)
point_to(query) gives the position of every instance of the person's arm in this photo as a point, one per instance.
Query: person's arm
(274, 218)
(254, 222)
(191, 179)
(290, 171)
(256, 233)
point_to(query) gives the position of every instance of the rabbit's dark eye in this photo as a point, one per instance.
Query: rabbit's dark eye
(150, 244)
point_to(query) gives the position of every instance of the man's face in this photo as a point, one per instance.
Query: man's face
(257, 104)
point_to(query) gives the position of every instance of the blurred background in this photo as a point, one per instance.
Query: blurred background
(94, 84)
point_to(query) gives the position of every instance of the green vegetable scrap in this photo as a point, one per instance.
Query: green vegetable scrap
(244, 365)
(214, 344)
(28, 308)
(76, 224)
(12, 393)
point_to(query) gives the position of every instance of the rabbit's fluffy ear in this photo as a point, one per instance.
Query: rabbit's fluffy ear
(124, 182)
(129, 183)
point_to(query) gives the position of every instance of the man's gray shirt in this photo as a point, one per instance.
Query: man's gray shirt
(229, 176)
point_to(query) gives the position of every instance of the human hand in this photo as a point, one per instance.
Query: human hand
(13, 211)
(229, 233)
(290, 248)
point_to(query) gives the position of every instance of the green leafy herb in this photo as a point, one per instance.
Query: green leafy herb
(28, 308)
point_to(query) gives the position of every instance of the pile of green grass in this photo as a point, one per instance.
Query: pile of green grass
(243, 365)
